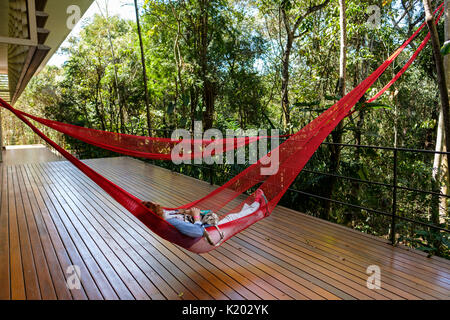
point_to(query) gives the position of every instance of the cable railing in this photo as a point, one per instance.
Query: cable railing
(210, 171)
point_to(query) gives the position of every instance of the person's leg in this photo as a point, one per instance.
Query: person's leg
(259, 203)
(260, 197)
(245, 211)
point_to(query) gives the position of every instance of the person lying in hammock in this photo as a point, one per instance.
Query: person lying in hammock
(192, 222)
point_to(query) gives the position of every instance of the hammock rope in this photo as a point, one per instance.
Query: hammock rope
(294, 153)
(147, 147)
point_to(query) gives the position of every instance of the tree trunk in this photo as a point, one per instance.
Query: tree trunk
(337, 133)
(144, 71)
(116, 78)
(343, 49)
(97, 110)
(208, 99)
(440, 173)
(355, 214)
(443, 90)
(440, 170)
(285, 82)
(194, 102)
(290, 38)
(208, 85)
(442, 82)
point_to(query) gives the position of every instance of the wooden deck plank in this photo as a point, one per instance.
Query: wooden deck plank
(87, 185)
(4, 239)
(58, 259)
(68, 253)
(95, 270)
(15, 256)
(400, 275)
(37, 153)
(356, 244)
(307, 247)
(52, 216)
(170, 196)
(27, 238)
(129, 248)
(109, 244)
(248, 297)
(183, 289)
(311, 232)
(403, 255)
(178, 192)
(71, 217)
(47, 289)
(200, 195)
(413, 264)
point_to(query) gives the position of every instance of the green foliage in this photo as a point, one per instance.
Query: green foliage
(431, 242)
(445, 50)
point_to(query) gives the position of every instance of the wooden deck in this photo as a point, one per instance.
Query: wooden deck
(34, 153)
(53, 217)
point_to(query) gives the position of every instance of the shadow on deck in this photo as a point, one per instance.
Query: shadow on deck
(53, 217)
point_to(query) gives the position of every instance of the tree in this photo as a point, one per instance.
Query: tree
(338, 132)
(441, 77)
(200, 50)
(144, 69)
(287, 11)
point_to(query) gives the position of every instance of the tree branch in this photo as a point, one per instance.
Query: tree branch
(310, 11)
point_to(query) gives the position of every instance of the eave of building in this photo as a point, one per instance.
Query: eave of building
(30, 33)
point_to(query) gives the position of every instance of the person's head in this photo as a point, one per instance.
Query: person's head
(155, 208)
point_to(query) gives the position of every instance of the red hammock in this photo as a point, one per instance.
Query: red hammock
(294, 153)
(147, 147)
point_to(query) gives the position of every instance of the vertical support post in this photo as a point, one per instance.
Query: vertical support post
(1, 138)
(394, 197)
(211, 175)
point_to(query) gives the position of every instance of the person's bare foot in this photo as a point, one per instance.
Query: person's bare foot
(261, 198)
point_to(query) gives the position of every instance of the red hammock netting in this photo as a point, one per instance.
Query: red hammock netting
(294, 153)
(148, 147)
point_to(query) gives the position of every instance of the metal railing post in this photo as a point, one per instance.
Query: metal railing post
(394, 197)
(211, 174)
(394, 186)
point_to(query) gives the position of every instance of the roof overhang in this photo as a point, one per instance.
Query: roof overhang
(30, 33)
